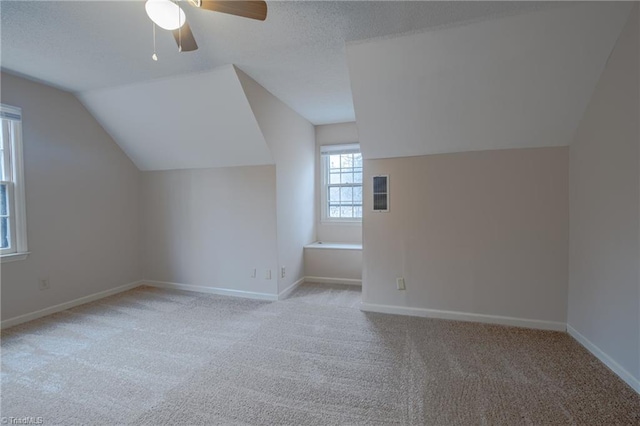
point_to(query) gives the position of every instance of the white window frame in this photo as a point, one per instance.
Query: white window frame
(325, 151)
(11, 127)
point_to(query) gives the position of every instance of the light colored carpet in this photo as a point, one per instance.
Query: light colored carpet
(153, 357)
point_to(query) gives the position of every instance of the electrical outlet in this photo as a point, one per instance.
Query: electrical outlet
(283, 272)
(43, 283)
(400, 284)
(253, 273)
(268, 274)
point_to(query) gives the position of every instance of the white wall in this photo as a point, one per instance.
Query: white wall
(211, 227)
(291, 139)
(345, 232)
(82, 203)
(604, 285)
(197, 120)
(479, 232)
(520, 81)
(336, 264)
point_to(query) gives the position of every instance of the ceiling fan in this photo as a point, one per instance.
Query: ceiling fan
(168, 15)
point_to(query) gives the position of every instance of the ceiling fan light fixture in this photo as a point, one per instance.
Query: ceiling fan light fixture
(165, 14)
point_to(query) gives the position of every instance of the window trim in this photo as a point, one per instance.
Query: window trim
(17, 187)
(325, 151)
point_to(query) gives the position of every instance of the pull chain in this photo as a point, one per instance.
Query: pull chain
(154, 56)
(179, 32)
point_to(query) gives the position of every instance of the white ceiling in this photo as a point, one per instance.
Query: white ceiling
(297, 54)
(193, 121)
(514, 82)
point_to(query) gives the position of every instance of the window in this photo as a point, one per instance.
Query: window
(13, 229)
(341, 183)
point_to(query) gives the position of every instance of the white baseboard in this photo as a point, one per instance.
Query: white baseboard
(606, 359)
(327, 280)
(286, 292)
(212, 290)
(464, 316)
(67, 305)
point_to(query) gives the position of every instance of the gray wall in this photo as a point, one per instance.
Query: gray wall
(604, 289)
(82, 203)
(211, 227)
(478, 232)
(291, 139)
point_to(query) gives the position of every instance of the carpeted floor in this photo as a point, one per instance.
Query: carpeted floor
(154, 357)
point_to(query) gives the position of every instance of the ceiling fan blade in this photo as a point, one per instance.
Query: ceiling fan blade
(247, 9)
(185, 37)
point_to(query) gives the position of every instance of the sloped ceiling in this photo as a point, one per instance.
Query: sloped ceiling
(514, 82)
(192, 121)
(297, 53)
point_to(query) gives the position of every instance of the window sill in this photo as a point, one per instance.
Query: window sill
(333, 246)
(13, 257)
(341, 222)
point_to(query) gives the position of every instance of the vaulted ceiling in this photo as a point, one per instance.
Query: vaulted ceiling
(516, 82)
(297, 54)
(192, 121)
(425, 77)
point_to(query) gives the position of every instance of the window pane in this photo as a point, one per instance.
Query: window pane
(334, 195)
(346, 195)
(346, 211)
(334, 211)
(346, 161)
(4, 201)
(334, 161)
(357, 211)
(357, 177)
(346, 178)
(357, 194)
(4, 233)
(357, 160)
(334, 178)
(3, 146)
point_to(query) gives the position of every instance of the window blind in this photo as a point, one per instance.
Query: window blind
(10, 113)
(352, 148)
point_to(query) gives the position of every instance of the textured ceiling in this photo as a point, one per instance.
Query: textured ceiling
(517, 82)
(298, 53)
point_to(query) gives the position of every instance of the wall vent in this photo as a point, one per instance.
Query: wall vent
(381, 193)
